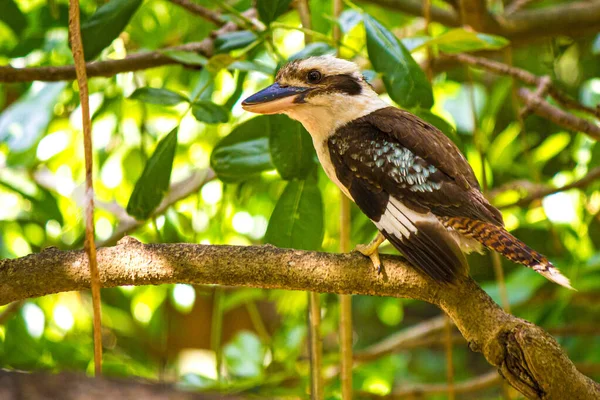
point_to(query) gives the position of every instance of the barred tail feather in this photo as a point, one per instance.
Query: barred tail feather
(496, 238)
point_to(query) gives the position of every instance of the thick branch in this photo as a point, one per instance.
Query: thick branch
(563, 18)
(528, 357)
(133, 62)
(42, 386)
(525, 25)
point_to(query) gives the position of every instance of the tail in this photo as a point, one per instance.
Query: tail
(498, 239)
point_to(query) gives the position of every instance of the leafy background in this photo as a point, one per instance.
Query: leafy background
(155, 127)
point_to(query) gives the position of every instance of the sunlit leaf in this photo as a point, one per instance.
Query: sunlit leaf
(244, 153)
(461, 40)
(12, 16)
(233, 40)
(291, 147)
(404, 80)
(25, 121)
(105, 25)
(186, 57)
(313, 49)
(209, 112)
(44, 204)
(349, 19)
(163, 97)
(551, 147)
(269, 10)
(297, 220)
(153, 184)
(253, 65)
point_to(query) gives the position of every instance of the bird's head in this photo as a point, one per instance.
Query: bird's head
(314, 91)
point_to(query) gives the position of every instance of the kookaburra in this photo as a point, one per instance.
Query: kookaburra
(402, 172)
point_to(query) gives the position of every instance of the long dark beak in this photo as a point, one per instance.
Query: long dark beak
(273, 99)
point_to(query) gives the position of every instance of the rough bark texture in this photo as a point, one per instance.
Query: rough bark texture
(528, 357)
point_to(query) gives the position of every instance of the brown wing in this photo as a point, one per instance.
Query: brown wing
(437, 176)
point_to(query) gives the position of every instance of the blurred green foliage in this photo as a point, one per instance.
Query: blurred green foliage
(269, 188)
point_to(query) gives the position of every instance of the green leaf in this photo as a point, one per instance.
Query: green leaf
(349, 19)
(154, 182)
(186, 57)
(313, 49)
(551, 147)
(461, 40)
(233, 40)
(291, 147)
(26, 120)
(297, 220)
(209, 112)
(244, 356)
(244, 153)
(253, 65)
(163, 97)
(12, 16)
(105, 25)
(269, 10)
(404, 80)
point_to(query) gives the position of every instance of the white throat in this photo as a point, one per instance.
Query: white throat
(323, 115)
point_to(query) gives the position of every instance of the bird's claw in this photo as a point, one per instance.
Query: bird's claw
(371, 250)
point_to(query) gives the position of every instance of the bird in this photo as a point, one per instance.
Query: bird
(403, 173)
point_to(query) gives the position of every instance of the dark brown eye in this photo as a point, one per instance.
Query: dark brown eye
(313, 76)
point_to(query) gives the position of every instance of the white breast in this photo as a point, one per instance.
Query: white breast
(325, 160)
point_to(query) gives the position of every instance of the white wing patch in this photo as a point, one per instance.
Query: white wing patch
(400, 220)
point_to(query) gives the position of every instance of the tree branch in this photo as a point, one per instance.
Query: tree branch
(415, 7)
(524, 76)
(542, 108)
(133, 62)
(178, 191)
(200, 11)
(539, 191)
(528, 357)
(472, 385)
(525, 25)
(43, 386)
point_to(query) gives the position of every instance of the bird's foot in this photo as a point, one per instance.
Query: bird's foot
(371, 250)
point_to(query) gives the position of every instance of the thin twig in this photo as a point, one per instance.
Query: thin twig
(516, 6)
(540, 92)
(178, 191)
(524, 76)
(304, 13)
(345, 306)
(346, 352)
(134, 62)
(472, 385)
(316, 348)
(592, 176)
(560, 117)
(202, 12)
(90, 245)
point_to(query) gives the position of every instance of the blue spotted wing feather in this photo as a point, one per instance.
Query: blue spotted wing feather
(391, 185)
